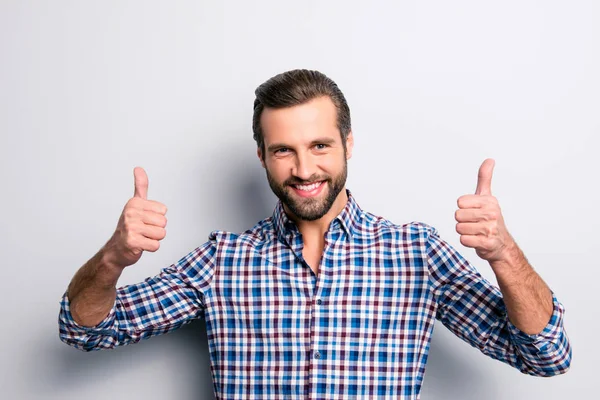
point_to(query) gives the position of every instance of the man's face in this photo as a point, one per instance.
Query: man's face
(305, 159)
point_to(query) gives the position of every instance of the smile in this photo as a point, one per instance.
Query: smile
(309, 190)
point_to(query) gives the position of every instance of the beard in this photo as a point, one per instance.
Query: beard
(309, 209)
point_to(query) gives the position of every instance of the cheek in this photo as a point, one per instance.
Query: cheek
(278, 170)
(332, 165)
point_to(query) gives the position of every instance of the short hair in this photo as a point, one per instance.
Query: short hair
(297, 87)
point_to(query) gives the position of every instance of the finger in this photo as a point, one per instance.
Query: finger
(149, 244)
(470, 228)
(478, 242)
(484, 178)
(153, 232)
(141, 205)
(154, 206)
(154, 218)
(141, 183)
(469, 215)
(476, 215)
(471, 201)
(473, 241)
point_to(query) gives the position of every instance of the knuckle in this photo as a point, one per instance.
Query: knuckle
(136, 252)
(130, 242)
(130, 213)
(129, 225)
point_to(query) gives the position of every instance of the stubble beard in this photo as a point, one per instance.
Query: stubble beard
(309, 209)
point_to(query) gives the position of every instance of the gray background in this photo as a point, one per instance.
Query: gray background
(89, 90)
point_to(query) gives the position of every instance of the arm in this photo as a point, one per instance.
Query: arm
(92, 290)
(158, 305)
(95, 314)
(527, 298)
(533, 314)
(481, 225)
(475, 311)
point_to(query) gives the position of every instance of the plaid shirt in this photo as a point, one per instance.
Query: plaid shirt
(361, 328)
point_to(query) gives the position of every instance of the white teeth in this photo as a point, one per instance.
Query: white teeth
(308, 188)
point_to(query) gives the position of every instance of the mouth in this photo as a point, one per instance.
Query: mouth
(310, 190)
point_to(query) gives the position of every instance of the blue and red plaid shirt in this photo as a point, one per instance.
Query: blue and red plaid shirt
(361, 328)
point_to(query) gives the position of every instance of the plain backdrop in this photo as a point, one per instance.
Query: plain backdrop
(91, 89)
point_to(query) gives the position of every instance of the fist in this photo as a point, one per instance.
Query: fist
(140, 227)
(479, 219)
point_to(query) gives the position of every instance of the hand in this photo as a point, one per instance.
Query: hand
(140, 227)
(480, 221)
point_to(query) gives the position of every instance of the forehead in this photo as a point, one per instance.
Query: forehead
(304, 122)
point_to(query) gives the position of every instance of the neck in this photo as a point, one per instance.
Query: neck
(312, 230)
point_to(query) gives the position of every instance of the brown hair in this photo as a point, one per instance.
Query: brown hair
(296, 87)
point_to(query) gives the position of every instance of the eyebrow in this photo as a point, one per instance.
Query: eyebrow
(323, 140)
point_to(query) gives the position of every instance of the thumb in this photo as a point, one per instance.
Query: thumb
(484, 178)
(141, 183)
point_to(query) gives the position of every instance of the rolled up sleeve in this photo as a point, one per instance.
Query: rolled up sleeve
(548, 353)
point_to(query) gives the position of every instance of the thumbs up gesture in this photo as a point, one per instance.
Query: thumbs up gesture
(140, 227)
(480, 221)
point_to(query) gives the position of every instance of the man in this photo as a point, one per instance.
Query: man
(322, 300)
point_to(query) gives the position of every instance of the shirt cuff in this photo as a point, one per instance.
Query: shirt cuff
(67, 320)
(550, 333)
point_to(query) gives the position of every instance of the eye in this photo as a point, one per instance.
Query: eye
(321, 146)
(282, 150)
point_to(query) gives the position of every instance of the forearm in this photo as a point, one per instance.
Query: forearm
(92, 290)
(527, 298)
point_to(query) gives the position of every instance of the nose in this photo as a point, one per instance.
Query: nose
(304, 167)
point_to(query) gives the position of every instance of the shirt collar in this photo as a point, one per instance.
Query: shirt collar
(347, 219)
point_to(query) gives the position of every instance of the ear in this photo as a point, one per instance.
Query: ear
(349, 145)
(260, 156)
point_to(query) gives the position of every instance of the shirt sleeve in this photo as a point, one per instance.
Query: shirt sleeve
(158, 305)
(474, 310)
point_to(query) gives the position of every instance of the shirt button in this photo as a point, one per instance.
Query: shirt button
(317, 354)
(319, 301)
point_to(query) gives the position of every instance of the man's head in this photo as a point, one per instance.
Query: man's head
(302, 130)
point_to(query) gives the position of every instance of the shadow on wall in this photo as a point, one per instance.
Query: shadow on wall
(176, 365)
(450, 374)
(239, 189)
(63, 372)
(243, 202)
(193, 339)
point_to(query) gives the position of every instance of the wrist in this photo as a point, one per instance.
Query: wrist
(512, 263)
(108, 269)
(508, 257)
